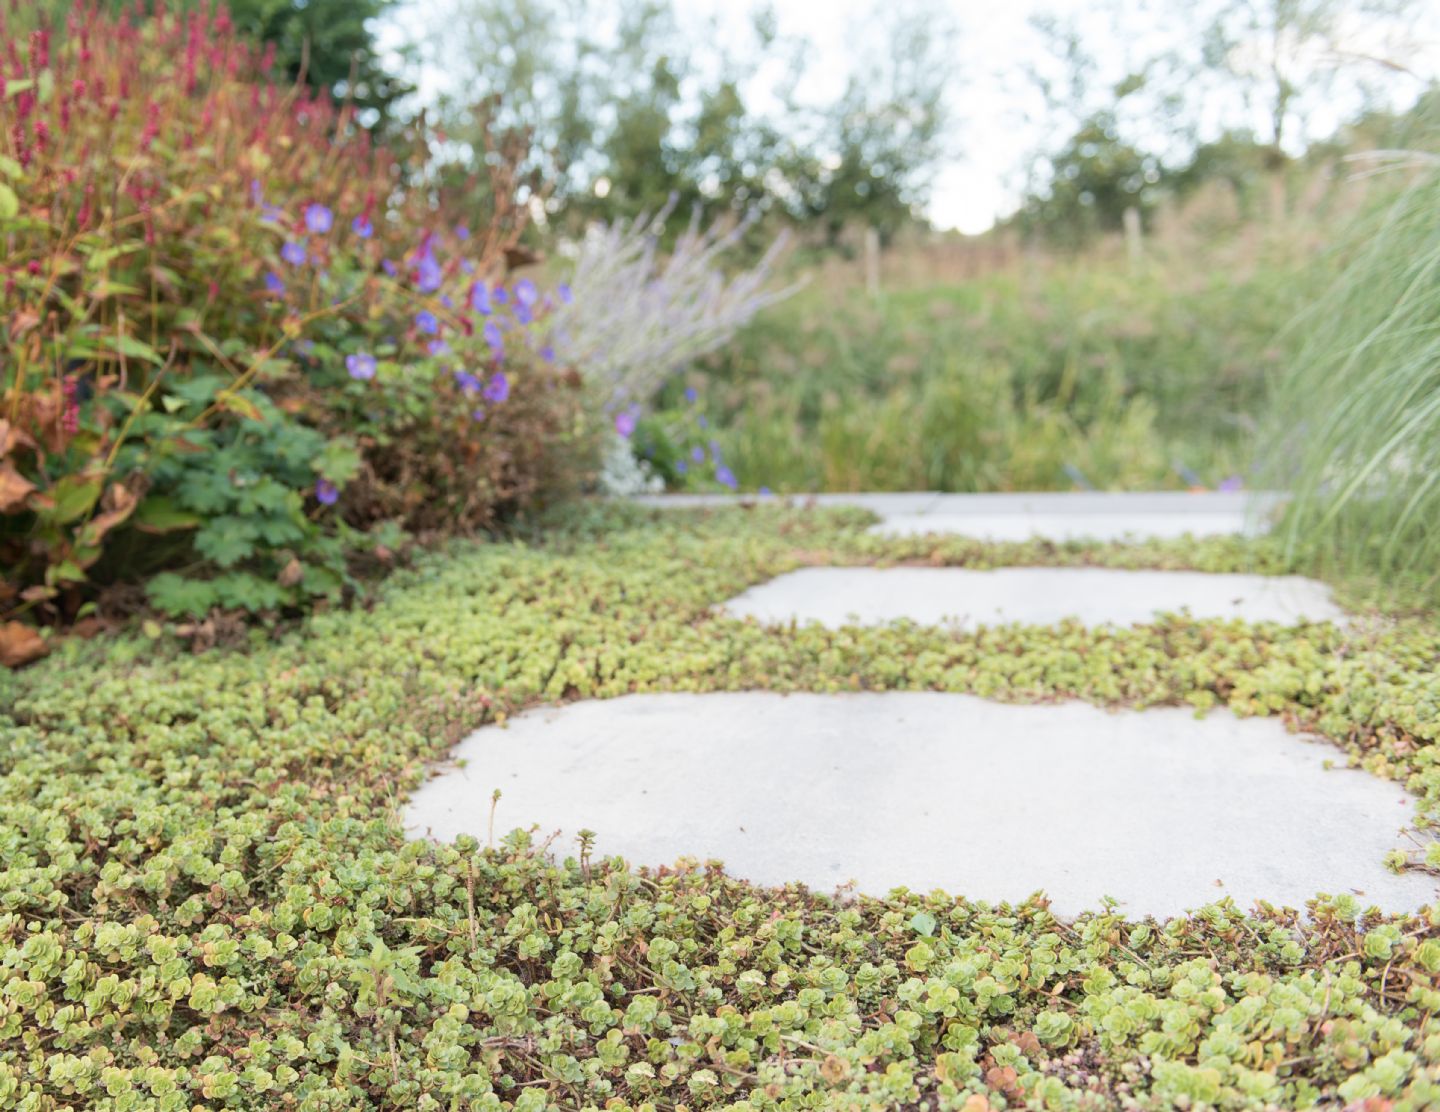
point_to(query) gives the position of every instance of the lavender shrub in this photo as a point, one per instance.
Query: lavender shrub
(636, 315)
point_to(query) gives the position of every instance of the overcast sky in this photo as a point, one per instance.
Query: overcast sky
(999, 114)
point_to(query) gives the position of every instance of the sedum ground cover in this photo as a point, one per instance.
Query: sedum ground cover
(206, 899)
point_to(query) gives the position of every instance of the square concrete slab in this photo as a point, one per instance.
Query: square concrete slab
(1156, 808)
(1041, 596)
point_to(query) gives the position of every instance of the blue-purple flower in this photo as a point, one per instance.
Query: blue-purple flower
(691, 394)
(467, 382)
(725, 477)
(547, 353)
(462, 233)
(497, 389)
(326, 492)
(492, 335)
(257, 194)
(625, 423)
(389, 268)
(479, 297)
(360, 365)
(318, 218)
(697, 453)
(437, 347)
(526, 293)
(524, 315)
(274, 283)
(427, 273)
(563, 289)
(294, 253)
(501, 295)
(271, 214)
(425, 321)
(362, 227)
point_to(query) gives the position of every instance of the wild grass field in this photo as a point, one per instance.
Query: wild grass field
(983, 365)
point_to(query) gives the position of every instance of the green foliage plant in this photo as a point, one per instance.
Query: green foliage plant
(232, 325)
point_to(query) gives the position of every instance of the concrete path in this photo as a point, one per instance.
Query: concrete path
(1058, 516)
(1156, 808)
(1038, 596)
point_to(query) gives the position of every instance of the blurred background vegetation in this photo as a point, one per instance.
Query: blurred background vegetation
(1192, 266)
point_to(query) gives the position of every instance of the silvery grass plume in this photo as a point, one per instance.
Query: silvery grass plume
(637, 315)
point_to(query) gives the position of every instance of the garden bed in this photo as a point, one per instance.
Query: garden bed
(208, 896)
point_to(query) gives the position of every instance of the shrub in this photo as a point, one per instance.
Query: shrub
(638, 315)
(224, 304)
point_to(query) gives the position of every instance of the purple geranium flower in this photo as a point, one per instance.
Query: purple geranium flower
(493, 337)
(467, 382)
(478, 415)
(697, 453)
(479, 297)
(526, 293)
(547, 353)
(462, 233)
(362, 227)
(523, 314)
(318, 218)
(437, 347)
(625, 423)
(725, 477)
(467, 267)
(501, 295)
(275, 284)
(326, 492)
(425, 321)
(564, 291)
(271, 214)
(257, 194)
(388, 267)
(691, 394)
(680, 467)
(427, 273)
(1233, 483)
(498, 389)
(294, 253)
(361, 365)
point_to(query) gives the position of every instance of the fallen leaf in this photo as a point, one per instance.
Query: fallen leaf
(14, 488)
(20, 644)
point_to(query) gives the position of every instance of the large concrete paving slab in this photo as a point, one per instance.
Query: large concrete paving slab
(1042, 596)
(1156, 808)
(1047, 515)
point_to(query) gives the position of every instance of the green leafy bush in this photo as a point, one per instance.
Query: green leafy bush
(227, 316)
(206, 897)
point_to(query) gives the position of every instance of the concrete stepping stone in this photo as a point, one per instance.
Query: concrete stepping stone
(1156, 808)
(1055, 516)
(1042, 596)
